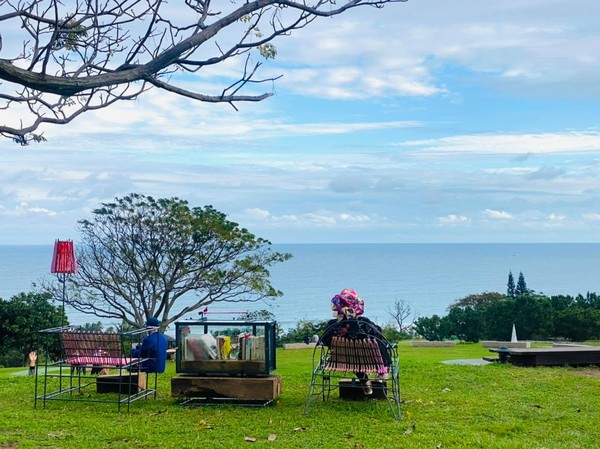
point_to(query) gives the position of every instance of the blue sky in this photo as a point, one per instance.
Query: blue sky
(427, 121)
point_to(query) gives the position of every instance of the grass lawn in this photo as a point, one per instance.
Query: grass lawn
(444, 406)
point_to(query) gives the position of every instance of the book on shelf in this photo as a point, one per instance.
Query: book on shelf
(251, 347)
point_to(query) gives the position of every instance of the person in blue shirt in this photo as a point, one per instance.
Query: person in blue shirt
(153, 347)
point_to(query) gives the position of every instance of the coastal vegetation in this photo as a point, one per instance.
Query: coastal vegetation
(491, 315)
(486, 316)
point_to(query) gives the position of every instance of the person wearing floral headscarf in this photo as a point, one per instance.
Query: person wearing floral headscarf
(347, 305)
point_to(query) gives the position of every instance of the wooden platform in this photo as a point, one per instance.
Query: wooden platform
(247, 388)
(554, 356)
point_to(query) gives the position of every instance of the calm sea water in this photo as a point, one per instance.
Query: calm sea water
(429, 277)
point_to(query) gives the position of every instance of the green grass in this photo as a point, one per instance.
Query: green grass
(444, 406)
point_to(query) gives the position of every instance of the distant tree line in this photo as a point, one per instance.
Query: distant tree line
(306, 329)
(490, 316)
(483, 316)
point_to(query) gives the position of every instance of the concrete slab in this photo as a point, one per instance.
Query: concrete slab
(299, 345)
(433, 344)
(506, 344)
(469, 362)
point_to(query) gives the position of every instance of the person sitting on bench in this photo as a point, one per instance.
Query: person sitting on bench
(153, 348)
(348, 306)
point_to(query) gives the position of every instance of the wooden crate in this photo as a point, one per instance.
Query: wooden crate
(124, 383)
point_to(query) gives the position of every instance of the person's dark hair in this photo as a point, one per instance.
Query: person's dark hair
(153, 322)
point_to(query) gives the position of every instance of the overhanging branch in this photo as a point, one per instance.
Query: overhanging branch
(86, 50)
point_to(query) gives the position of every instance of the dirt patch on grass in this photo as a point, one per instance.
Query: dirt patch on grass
(589, 372)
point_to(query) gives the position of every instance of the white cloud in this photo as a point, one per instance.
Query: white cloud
(497, 215)
(24, 209)
(557, 217)
(511, 144)
(555, 220)
(453, 219)
(256, 213)
(443, 108)
(524, 45)
(321, 218)
(354, 218)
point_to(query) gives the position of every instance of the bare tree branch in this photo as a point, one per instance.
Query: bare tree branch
(64, 59)
(400, 312)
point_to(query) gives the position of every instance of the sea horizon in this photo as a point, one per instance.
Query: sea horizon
(428, 276)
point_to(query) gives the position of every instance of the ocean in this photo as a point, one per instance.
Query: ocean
(428, 277)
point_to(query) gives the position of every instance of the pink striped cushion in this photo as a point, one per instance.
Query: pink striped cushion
(100, 360)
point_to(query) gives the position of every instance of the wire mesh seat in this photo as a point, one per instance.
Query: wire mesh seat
(354, 348)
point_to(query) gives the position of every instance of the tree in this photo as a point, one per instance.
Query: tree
(577, 323)
(498, 319)
(534, 317)
(478, 300)
(510, 286)
(399, 312)
(392, 334)
(466, 323)
(267, 315)
(521, 286)
(432, 328)
(93, 327)
(21, 318)
(302, 330)
(73, 57)
(139, 256)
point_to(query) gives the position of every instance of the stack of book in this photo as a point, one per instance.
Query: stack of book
(251, 347)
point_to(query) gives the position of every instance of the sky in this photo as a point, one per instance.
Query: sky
(427, 121)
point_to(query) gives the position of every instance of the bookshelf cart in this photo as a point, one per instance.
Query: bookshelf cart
(228, 361)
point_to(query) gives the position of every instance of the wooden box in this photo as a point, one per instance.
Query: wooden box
(353, 390)
(124, 383)
(248, 388)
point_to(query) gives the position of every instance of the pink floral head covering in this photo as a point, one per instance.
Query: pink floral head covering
(347, 304)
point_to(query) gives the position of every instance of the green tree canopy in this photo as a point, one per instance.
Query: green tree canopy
(478, 300)
(466, 323)
(521, 288)
(510, 286)
(577, 323)
(21, 318)
(432, 328)
(139, 256)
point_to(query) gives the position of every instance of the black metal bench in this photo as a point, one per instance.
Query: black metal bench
(361, 350)
(64, 375)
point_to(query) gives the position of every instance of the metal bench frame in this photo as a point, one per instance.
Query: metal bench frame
(66, 379)
(361, 350)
